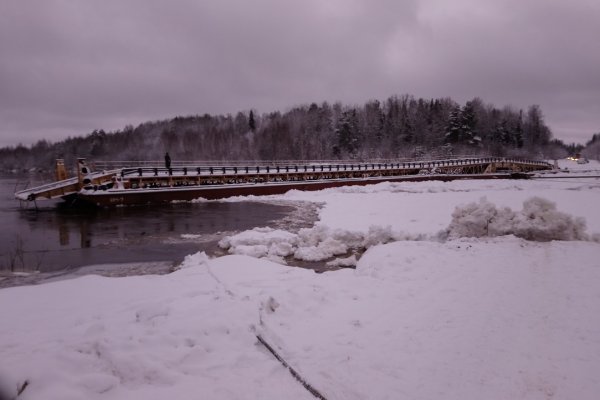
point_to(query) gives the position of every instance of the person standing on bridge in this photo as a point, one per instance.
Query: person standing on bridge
(167, 160)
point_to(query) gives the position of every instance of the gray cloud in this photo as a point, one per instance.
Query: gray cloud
(70, 67)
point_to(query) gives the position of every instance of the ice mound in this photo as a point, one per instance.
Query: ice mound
(273, 244)
(309, 244)
(193, 260)
(344, 262)
(539, 220)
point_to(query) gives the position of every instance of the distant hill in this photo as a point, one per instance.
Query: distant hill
(399, 127)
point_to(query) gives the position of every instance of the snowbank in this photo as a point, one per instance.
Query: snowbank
(470, 318)
(151, 337)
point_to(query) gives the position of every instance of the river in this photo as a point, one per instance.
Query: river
(51, 240)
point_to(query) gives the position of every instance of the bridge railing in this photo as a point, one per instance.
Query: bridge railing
(321, 166)
(108, 165)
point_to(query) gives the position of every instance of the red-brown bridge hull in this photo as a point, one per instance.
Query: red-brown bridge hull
(112, 197)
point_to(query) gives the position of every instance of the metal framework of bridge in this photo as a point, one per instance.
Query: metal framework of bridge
(215, 173)
(284, 172)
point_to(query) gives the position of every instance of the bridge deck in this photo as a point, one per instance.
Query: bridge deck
(60, 188)
(182, 175)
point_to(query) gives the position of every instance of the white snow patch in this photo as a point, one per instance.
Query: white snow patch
(344, 262)
(191, 236)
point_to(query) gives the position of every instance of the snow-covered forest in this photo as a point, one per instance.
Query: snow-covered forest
(399, 127)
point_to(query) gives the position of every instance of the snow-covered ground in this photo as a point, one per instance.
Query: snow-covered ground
(453, 296)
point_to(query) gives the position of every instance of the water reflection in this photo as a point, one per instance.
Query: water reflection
(55, 238)
(90, 228)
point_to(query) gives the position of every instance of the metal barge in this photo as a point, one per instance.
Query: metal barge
(135, 185)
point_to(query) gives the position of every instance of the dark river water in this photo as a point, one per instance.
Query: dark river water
(55, 240)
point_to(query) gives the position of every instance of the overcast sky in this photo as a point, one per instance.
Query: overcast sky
(68, 67)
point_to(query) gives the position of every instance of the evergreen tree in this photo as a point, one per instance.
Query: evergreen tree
(347, 132)
(535, 131)
(517, 136)
(251, 121)
(454, 127)
(461, 126)
(468, 124)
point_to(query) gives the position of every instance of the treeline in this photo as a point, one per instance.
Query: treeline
(592, 148)
(399, 127)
